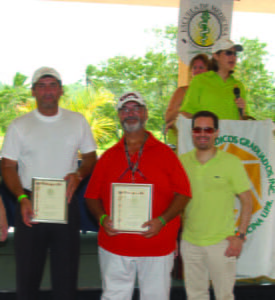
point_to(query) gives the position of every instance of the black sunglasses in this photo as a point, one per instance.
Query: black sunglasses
(230, 52)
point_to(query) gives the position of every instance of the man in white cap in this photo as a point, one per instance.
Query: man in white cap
(45, 143)
(217, 90)
(129, 244)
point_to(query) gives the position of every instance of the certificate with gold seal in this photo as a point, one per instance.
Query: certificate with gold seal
(131, 206)
(49, 200)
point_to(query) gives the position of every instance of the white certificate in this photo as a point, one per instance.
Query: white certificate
(131, 206)
(49, 200)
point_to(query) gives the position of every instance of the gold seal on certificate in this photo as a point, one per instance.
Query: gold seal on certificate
(49, 200)
(131, 206)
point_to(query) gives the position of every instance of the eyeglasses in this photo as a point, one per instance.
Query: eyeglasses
(126, 110)
(230, 52)
(207, 130)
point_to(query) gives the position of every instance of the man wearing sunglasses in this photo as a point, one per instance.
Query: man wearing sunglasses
(147, 250)
(217, 90)
(209, 244)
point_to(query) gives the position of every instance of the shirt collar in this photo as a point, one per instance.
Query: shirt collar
(150, 142)
(217, 156)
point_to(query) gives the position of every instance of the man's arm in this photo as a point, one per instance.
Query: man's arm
(86, 168)
(96, 209)
(235, 243)
(12, 181)
(3, 222)
(176, 207)
(246, 210)
(175, 104)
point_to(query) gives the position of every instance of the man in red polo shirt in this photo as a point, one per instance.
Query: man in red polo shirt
(138, 158)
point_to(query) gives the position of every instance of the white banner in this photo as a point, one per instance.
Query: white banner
(201, 24)
(253, 143)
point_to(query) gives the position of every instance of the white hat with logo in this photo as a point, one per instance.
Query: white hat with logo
(130, 96)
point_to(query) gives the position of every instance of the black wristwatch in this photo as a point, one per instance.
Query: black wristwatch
(241, 236)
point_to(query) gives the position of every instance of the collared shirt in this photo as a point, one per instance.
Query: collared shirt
(208, 91)
(158, 166)
(209, 216)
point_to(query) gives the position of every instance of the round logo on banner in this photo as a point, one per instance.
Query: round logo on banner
(204, 29)
(258, 168)
(203, 25)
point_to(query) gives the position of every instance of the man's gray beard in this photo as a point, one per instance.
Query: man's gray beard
(132, 127)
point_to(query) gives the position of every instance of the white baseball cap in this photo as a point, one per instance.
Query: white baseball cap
(45, 71)
(225, 44)
(130, 96)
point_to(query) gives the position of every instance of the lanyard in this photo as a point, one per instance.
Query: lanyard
(133, 167)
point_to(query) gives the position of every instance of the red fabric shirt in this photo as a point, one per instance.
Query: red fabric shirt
(161, 167)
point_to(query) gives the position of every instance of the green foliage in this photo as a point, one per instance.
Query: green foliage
(155, 76)
(258, 81)
(13, 100)
(90, 103)
(96, 106)
(19, 80)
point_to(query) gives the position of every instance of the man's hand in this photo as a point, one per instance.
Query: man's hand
(154, 226)
(73, 183)
(235, 246)
(107, 224)
(26, 211)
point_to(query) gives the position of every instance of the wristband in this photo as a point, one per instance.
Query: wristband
(241, 236)
(163, 222)
(102, 218)
(22, 197)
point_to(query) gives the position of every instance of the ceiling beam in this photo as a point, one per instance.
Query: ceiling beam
(260, 6)
(163, 3)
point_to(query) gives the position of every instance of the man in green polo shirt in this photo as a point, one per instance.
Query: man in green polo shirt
(209, 244)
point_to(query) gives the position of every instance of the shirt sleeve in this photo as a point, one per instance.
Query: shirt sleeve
(11, 145)
(239, 177)
(87, 142)
(243, 91)
(190, 103)
(93, 190)
(178, 177)
(244, 95)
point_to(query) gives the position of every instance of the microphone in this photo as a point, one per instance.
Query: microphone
(237, 93)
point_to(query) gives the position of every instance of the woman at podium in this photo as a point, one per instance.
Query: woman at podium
(217, 90)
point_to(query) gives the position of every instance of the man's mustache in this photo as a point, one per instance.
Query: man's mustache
(131, 118)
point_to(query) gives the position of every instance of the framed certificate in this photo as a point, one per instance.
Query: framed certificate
(49, 200)
(131, 206)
